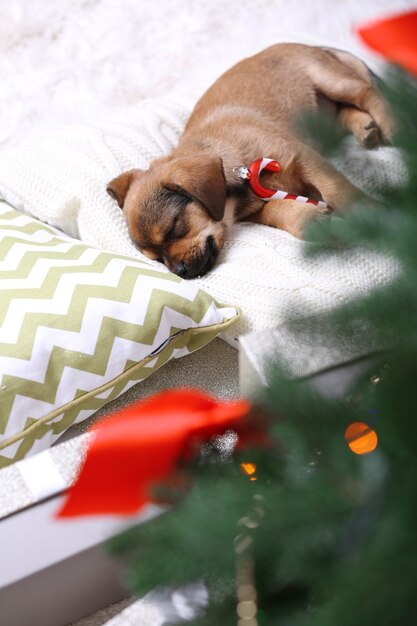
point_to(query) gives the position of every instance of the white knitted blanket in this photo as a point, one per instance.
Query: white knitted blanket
(61, 178)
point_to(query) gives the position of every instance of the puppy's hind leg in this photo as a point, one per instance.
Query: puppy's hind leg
(344, 83)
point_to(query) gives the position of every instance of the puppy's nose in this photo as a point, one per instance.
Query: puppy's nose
(180, 269)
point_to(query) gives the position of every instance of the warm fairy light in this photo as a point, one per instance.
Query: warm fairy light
(361, 438)
(248, 468)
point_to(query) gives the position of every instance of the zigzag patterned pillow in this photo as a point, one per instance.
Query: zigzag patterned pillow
(78, 326)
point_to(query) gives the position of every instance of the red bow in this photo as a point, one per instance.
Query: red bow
(140, 446)
(395, 38)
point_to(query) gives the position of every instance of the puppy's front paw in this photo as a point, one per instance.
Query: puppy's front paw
(311, 213)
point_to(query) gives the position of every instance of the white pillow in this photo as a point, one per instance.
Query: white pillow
(61, 178)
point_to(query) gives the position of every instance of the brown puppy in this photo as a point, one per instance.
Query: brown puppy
(180, 208)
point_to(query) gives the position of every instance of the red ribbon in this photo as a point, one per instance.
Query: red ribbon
(395, 38)
(140, 447)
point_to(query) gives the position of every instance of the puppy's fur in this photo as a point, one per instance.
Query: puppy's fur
(179, 210)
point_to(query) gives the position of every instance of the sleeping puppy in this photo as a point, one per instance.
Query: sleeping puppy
(180, 209)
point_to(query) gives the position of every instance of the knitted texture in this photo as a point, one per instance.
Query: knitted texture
(61, 178)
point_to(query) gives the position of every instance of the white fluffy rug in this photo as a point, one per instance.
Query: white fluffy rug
(69, 61)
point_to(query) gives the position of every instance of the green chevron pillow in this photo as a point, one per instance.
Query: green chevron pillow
(78, 326)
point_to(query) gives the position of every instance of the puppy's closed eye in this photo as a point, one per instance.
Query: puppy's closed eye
(178, 230)
(171, 234)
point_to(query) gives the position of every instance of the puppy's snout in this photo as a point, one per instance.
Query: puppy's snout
(180, 269)
(196, 264)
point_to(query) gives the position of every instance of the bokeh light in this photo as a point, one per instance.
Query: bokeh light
(361, 438)
(249, 469)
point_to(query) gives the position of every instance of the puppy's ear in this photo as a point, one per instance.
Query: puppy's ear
(118, 187)
(203, 179)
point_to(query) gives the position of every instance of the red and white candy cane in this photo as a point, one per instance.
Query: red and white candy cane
(251, 174)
